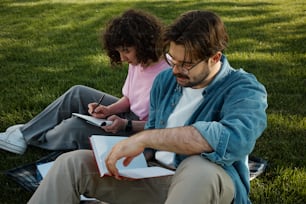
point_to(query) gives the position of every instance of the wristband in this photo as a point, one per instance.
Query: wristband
(129, 127)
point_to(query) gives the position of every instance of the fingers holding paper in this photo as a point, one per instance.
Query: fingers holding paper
(127, 149)
(117, 125)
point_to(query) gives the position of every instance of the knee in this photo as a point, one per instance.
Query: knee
(75, 158)
(199, 180)
(198, 171)
(77, 88)
(75, 91)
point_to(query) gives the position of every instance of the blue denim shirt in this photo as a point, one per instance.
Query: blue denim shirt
(231, 117)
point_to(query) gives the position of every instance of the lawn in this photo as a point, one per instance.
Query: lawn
(46, 46)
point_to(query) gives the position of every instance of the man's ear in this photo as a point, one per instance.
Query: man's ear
(216, 58)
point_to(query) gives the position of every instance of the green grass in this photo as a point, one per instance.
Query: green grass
(48, 46)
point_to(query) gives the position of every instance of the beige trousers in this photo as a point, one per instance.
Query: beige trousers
(196, 181)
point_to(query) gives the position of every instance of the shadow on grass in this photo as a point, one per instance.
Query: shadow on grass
(45, 48)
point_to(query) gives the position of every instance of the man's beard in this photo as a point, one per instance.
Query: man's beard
(189, 83)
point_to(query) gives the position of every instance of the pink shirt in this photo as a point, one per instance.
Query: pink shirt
(138, 85)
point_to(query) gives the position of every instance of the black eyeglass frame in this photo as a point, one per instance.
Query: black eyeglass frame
(182, 66)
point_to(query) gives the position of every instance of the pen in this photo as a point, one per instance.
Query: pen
(99, 103)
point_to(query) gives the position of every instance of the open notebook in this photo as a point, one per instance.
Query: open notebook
(92, 120)
(138, 167)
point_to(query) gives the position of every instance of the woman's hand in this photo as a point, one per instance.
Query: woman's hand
(117, 125)
(98, 111)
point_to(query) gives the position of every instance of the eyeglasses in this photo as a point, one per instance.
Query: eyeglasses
(184, 66)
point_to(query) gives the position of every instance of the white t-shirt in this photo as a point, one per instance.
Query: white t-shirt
(189, 102)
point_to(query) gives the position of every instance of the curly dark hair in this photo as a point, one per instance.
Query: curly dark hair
(134, 28)
(202, 33)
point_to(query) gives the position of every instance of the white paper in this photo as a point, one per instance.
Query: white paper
(147, 172)
(44, 168)
(166, 158)
(137, 169)
(94, 121)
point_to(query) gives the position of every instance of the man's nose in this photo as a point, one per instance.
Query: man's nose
(176, 69)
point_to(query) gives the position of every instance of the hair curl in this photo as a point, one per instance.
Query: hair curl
(134, 28)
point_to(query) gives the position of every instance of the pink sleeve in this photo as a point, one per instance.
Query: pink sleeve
(138, 85)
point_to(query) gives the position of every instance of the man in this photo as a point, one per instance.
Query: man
(204, 111)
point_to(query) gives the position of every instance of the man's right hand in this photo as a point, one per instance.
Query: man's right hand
(127, 149)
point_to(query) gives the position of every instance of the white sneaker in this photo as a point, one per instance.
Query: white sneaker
(13, 127)
(12, 140)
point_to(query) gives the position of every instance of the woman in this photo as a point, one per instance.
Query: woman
(135, 38)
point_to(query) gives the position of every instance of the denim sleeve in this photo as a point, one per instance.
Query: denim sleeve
(155, 97)
(242, 121)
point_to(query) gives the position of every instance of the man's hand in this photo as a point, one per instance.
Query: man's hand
(128, 149)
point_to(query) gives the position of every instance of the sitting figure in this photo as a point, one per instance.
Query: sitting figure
(203, 110)
(124, 40)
